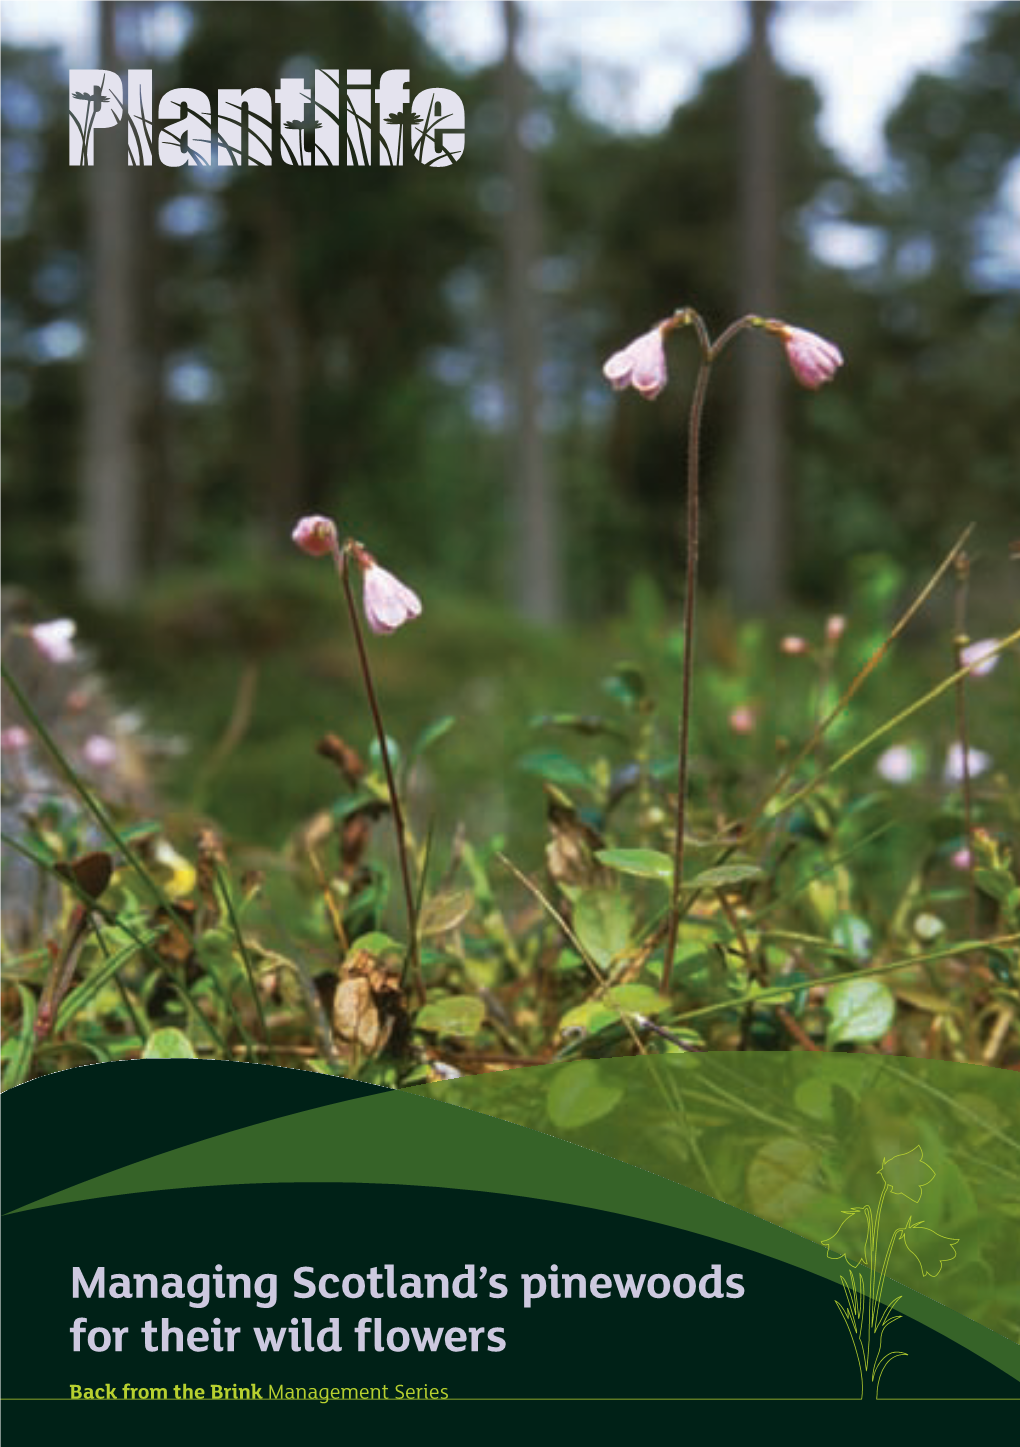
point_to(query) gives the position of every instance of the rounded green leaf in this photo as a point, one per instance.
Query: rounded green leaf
(783, 1179)
(602, 923)
(454, 1015)
(557, 768)
(445, 911)
(853, 934)
(578, 1096)
(168, 1044)
(860, 1010)
(645, 863)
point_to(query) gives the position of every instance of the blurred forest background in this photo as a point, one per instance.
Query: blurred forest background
(194, 357)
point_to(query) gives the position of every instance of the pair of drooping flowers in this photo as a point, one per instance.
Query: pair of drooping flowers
(389, 603)
(642, 364)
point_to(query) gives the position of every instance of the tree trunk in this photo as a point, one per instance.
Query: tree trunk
(756, 554)
(110, 485)
(536, 561)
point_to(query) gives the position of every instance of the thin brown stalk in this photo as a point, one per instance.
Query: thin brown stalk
(960, 641)
(709, 352)
(861, 676)
(413, 953)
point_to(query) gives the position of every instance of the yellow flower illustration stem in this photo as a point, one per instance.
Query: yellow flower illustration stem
(872, 1262)
(896, 1235)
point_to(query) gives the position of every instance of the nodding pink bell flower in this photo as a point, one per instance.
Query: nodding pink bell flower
(54, 639)
(835, 627)
(812, 359)
(743, 719)
(14, 739)
(980, 657)
(316, 536)
(793, 645)
(978, 762)
(641, 365)
(99, 752)
(899, 764)
(388, 602)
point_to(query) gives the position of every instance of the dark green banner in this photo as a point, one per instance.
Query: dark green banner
(366, 1248)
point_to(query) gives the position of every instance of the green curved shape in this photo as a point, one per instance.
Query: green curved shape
(797, 1138)
(402, 1138)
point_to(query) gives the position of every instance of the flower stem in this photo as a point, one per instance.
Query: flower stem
(960, 641)
(690, 600)
(709, 352)
(398, 813)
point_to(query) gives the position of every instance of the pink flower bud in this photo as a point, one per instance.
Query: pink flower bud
(743, 719)
(793, 645)
(53, 639)
(812, 359)
(388, 602)
(642, 365)
(835, 627)
(960, 858)
(14, 739)
(99, 752)
(315, 536)
(979, 657)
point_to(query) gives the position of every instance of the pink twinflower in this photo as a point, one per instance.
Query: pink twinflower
(14, 739)
(961, 858)
(980, 657)
(641, 365)
(315, 535)
(793, 645)
(54, 639)
(743, 719)
(812, 359)
(899, 764)
(978, 762)
(388, 602)
(835, 627)
(99, 752)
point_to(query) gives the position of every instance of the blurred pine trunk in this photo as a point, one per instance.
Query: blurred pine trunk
(756, 554)
(535, 577)
(110, 501)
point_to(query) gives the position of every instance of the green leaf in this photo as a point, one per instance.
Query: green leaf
(432, 733)
(626, 684)
(782, 1180)
(853, 934)
(97, 979)
(578, 1096)
(593, 1015)
(168, 1044)
(860, 1010)
(392, 748)
(377, 943)
(20, 1062)
(645, 863)
(445, 911)
(587, 724)
(725, 876)
(453, 1015)
(602, 923)
(557, 768)
(996, 883)
(636, 999)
